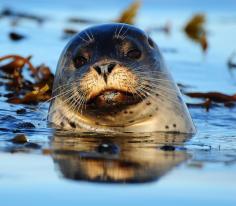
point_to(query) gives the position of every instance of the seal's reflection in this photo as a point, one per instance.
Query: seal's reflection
(119, 158)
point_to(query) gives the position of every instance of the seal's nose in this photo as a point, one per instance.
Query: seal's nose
(105, 69)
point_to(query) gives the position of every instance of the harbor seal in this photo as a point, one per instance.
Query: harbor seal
(112, 78)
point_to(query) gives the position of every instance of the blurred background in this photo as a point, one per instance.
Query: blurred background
(198, 41)
(49, 25)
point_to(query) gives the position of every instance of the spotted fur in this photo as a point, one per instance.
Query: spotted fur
(159, 107)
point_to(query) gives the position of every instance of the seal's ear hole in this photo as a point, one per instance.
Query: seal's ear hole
(150, 42)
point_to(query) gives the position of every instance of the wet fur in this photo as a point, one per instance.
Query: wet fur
(161, 108)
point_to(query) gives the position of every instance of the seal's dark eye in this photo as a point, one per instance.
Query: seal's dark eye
(134, 54)
(80, 61)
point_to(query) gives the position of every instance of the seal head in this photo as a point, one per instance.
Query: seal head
(112, 77)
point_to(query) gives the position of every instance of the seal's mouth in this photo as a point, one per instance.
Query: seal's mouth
(113, 98)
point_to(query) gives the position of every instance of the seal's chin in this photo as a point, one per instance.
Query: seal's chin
(113, 98)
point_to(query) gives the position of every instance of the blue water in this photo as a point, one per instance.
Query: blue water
(202, 169)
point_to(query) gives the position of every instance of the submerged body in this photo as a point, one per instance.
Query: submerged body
(112, 78)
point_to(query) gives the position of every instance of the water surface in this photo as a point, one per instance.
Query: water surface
(131, 169)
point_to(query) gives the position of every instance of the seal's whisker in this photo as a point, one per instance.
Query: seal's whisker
(154, 98)
(162, 85)
(68, 88)
(158, 72)
(134, 91)
(123, 35)
(79, 104)
(69, 100)
(141, 70)
(52, 98)
(136, 65)
(91, 33)
(63, 102)
(64, 94)
(83, 107)
(153, 106)
(152, 89)
(89, 37)
(115, 33)
(159, 84)
(166, 89)
(54, 109)
(63, 86)
(118, 35)
(73, 104)
(141, 95)
(154, 83)
(156, 80)
(159, 76)
(86, 41)
(149, 66)
(165, 96)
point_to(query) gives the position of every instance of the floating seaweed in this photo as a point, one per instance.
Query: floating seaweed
(67, 33)
(128, 15)
(25, 91)
(17, 16)
(16, 36)
(32, 97)
(231, 61)
(211, 98)
(19, 139)
(195, 30)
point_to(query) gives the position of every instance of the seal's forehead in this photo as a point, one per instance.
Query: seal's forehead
(110, 31)
(116, 29)
(104, 36)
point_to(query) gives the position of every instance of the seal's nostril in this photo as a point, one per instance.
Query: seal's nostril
(98, 69)
(105, 69)
(111, 67)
